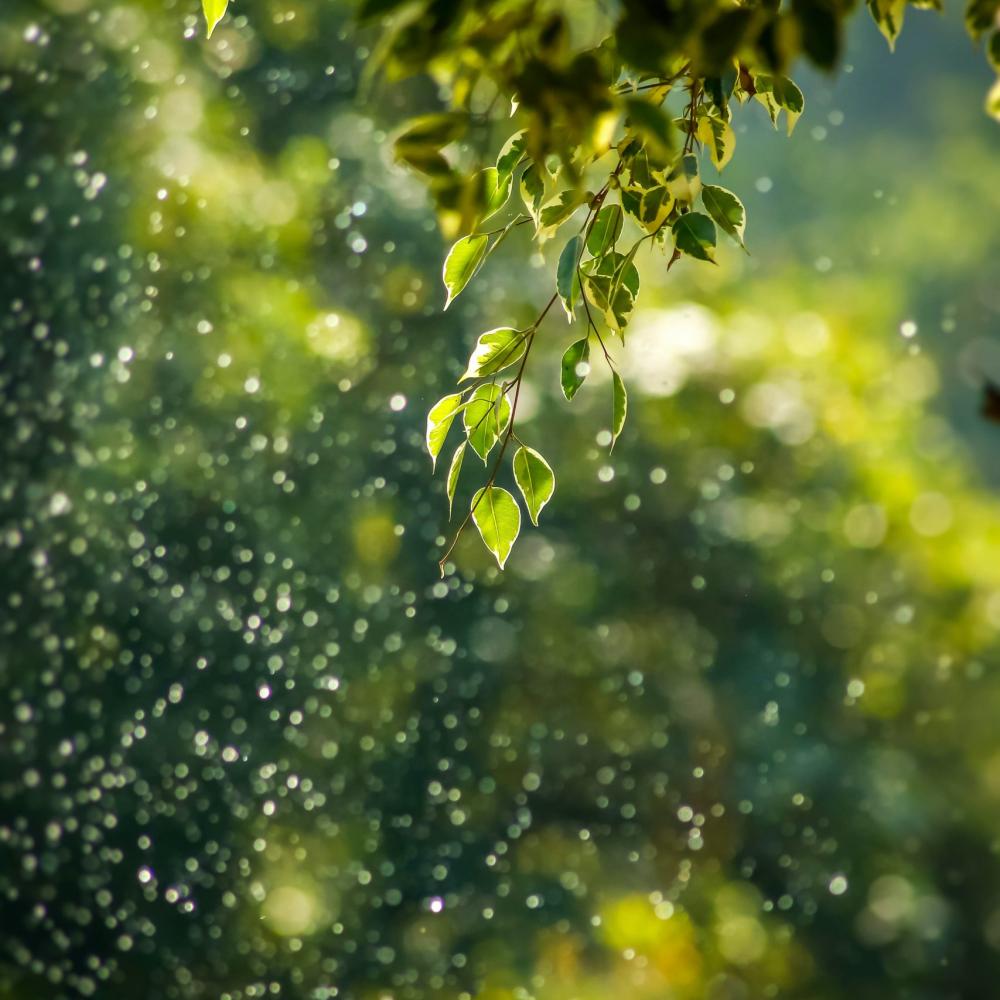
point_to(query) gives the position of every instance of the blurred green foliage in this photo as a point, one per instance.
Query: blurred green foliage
(725, 728)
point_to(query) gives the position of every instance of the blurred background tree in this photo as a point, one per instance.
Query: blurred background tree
(725, 727)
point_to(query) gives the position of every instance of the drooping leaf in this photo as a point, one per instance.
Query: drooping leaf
(485, 418)
(719, 139)
(535, 479)
(605, 231)
(495, 350)
(575, 367)
(619, 406)
(498, 518)
(532, 187)
(779, 93)
(214, 10)
(461, 264)
(888, 15)
(694, 234)
(567, 278)
(726, 210)
(454, 470)
(439, 420)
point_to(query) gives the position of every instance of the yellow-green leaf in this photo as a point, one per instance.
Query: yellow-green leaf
(494, 351)
(619, 406)
(535, 479)
(498, 518)
(213, 11)
(485, 418)
(454, 471)
(439, 420)
(461, 264)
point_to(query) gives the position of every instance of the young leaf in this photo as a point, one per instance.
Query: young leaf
(485, 418)
(694, 234)
(535, 479)
(619, 406)
(213, 11)
(453, 473)
(494, 351)
(575, 367)
(461, 264)
(726, 209)
(439, 420)
(605, 231)
(498, 519)
(567, 279)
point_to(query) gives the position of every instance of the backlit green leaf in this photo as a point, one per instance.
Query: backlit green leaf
(485, 418)
(213, 11)
(439, 420)
(498, 518)
(619, 406)
(454, 470)
(694, 234)
(495, 350)
(575, 367)
(462, 262)
(535, 479)
(511, 154)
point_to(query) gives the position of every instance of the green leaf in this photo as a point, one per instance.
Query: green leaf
(567, 279)
(575, 366)
(694, 234)
(726, 210)
(619, 406)
(888, 15)
(719, 137)
(439, 420)
(495, 350)
(498, 518)
(512, 154)
(453, 473)
(535, 479)
(532, 187)
(496, 190)
(561, 208)
(605, 231)
(213, 11)
(461, 264)
(485, 418)
(777, 93)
